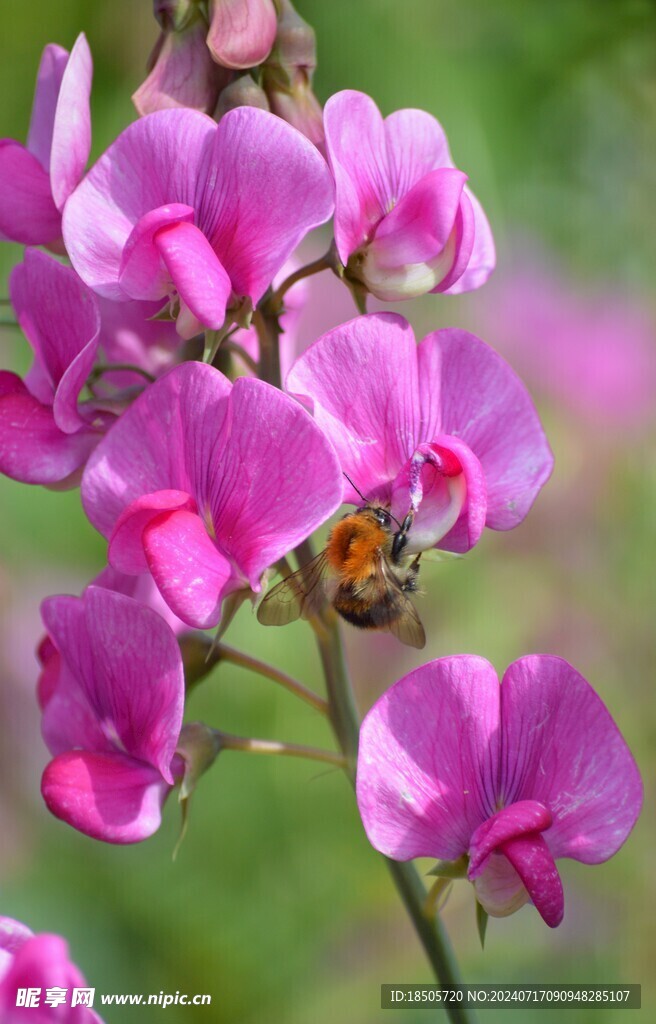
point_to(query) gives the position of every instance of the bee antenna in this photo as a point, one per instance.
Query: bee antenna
(357, 489)
(395, 519)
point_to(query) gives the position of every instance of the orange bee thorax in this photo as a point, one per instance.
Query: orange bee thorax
(353, 546)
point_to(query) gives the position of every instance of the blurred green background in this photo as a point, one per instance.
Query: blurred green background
(276, 905)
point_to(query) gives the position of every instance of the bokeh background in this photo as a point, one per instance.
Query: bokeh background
(276, 905)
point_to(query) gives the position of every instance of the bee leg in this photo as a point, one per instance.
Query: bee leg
(401, 536)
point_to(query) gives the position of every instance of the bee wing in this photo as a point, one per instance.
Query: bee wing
(298, 595)
(406, 626)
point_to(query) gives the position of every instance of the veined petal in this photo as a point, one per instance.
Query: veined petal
(265, 187)
(111, 797)
(428, 763)
(32, 447)
(48, 83)
(126, 546)
(142, 273)
(278, 479)
(357, 151)
(27, 212)
(184, 74)
(71, 134)
(512, 822)
(484, 403)
(561, 747)
(188, 569)
(360, 381)
(201, 281)
(171, 438)
(532, 860)
(416, 144)
(242, 32)
(141, 171)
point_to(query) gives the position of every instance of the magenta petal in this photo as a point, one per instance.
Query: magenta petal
(361, 383)
(142, 274)
(461, 244)
(32, 448)
(357, 150)
(145, 159)
(201, 281)
(532, 860)
(416, 144)
(268, 186)
(278, 479)
(48, 83)
(106, 796)
(509, 823)
(184, 74)
(71, 136)
(428, 763)
(68, 720)
(13, 934)
(561, 747)
(418, 228)
(482, 259)
(27, 212)
(493, 414)
(167, 440)
(188, 569)
(42, 963)
(242, 32)
(128, 664)
(126, 551)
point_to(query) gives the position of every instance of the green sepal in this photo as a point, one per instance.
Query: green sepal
(451, 868)
(482, 918)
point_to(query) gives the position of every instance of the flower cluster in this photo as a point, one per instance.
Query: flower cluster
(203, 481)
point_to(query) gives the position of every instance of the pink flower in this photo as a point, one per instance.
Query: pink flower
(405, 224)
(205, 484)
(514, 776)
(112, 694)
(287, 74)
(46, 433)
(445, 428)
(37, 179)
(241, 31)
(42, 962)
(210, 229)
(46, 429)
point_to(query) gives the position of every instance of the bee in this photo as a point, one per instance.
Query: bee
(362, 571)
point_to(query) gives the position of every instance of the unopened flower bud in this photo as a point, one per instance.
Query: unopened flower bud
(287, 76)
(182, 72)
(242, 92)
(241, 32)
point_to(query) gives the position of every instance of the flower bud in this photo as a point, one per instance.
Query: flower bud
(242, 92)
(241, 32)
(288, 72)
(182, 72)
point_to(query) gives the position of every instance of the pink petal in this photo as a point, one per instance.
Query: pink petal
(184, 74)
(461, 244)
(168, 439)
(68, 719)
(71, 136)
(360, 381)
(269, 186)
(142, 273)
(106, 796)
(242, 32)
(13, 934)
(416, 144)
(278, 479)
(188, 569)
(418, 228)
(43, 962)
(428, 763)
(32, 448)
(200, 280)
(483, 258)
(128, 664)
(27, 212)
(519, 819)
(126, 551)
(48, 83)
(562, 748)
(532, 860)
(357, 151)
(485, 404)
(145, 158)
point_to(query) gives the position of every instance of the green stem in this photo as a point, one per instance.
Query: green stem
(250, 745)
(268, 330)
(224, 653)
(324, 262)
